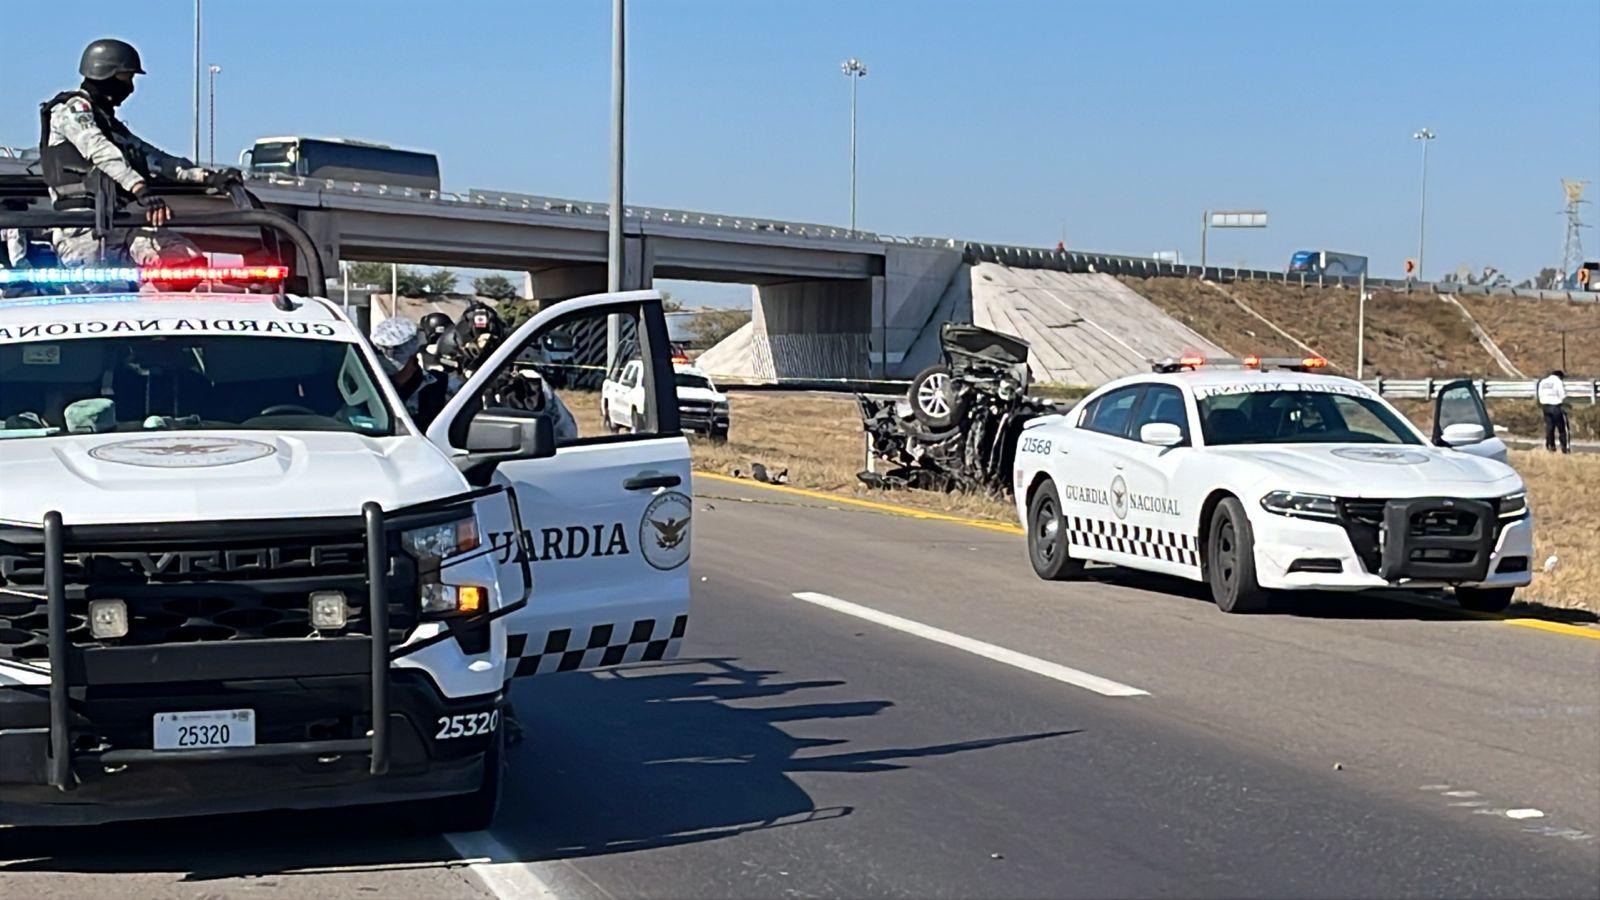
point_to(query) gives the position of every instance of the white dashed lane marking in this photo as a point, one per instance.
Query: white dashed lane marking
(1064, 674)
(497, 866)
(1520, 813)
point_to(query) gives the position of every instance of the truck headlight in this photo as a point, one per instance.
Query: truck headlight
(1301, 506)
(1513, 506)
(430, 546)
(441, 541)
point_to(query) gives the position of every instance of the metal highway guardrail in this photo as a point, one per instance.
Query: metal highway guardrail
(1425, 388)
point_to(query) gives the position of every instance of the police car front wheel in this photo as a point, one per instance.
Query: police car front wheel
(1489, 600)
(1047, 537)
(1231, 560)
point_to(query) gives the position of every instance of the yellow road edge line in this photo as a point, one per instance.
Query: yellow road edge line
(910, 512)
(891, 508)
(1555, 627)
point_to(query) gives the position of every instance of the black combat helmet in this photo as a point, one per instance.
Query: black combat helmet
(108, 58)
(434, 324)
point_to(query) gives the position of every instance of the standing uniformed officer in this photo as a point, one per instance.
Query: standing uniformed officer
(79, 133)
(1551, 392)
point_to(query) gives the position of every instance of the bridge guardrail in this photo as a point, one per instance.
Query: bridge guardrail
(1493, 389)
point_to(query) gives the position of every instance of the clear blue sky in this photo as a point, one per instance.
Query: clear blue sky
(996, 121)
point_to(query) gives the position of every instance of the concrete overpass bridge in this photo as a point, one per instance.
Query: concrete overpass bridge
(829, 302)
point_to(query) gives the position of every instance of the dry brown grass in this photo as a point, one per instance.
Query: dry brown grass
(1528, 332)
(1214, 316)
(1564, 494)
(1408, 335)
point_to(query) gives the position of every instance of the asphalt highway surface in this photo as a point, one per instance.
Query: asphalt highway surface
(873, 705)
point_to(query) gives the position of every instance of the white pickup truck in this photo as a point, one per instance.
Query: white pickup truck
(701, 407)
(234, 575)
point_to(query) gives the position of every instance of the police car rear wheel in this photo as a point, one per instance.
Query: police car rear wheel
(1489, 600)
(1047, 538)
(1231, 561)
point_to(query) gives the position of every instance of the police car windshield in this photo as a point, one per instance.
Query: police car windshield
(1299, 417)
(689, 380)
(189, 383)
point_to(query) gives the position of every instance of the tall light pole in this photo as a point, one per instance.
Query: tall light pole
(196, 79)
(855, 70)
(614, 243)
(212, 116)
(1426, 136)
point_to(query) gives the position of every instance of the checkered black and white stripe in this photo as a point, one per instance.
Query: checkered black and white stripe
(606, 645)
(1134, 540)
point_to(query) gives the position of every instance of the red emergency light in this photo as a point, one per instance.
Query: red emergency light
(213, 273)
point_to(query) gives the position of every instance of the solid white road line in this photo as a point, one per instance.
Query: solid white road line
(498, 868)
(1027, 663)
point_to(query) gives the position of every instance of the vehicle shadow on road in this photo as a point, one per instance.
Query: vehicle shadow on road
(642, 757)
(682, 753)
(1426, 606)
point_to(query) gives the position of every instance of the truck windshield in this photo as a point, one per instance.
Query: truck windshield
(279, 155)
(1300, 417)
(688, 380)
(151, 383)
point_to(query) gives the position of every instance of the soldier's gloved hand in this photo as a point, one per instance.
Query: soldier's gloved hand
(156, 211)
(222, 179)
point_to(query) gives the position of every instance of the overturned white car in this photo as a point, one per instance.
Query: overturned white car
(1253, 480)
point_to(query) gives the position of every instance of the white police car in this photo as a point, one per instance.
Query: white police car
(1252, 480)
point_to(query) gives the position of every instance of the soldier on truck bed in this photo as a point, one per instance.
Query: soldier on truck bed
(79, 135)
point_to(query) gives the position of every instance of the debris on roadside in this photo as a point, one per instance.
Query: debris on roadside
(760, 472)
(956, 428)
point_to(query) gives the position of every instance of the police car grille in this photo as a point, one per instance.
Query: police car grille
(1443, 523)
(183, 592)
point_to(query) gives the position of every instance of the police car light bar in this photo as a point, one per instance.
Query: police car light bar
(1295, 363)
(125, 274)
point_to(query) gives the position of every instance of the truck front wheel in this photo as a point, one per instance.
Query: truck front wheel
(474, 811)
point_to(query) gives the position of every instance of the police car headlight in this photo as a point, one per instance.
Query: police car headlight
(1301, 506)
(1514, 506)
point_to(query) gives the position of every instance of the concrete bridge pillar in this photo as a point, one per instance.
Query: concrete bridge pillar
(812, 329)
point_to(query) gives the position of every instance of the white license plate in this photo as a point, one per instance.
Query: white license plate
(205, 730)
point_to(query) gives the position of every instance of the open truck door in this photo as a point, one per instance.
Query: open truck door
(1461, 420)
(606, 516)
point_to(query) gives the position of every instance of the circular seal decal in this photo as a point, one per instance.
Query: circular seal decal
(1119, 497)
(182, 452)
(1389, 455)
(664, 533)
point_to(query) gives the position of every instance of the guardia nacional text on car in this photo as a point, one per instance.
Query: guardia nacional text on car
(1256, 475)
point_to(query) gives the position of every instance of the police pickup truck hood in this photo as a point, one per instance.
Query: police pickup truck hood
(1373, 471)
(215, 475)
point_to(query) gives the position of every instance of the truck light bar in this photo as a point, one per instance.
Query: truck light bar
(125, 274)
(1296, 363)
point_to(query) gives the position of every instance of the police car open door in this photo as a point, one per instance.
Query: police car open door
(606, 515)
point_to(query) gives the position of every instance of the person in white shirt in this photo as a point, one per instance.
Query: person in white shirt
(1552, 394)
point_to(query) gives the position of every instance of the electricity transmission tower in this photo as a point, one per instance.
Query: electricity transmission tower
(1572, 248)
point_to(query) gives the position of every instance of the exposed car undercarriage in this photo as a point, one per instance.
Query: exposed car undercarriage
(956, 428)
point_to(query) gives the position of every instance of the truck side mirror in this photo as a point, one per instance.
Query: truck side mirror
(493, 439)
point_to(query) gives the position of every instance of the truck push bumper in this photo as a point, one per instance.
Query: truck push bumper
(334, 724)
